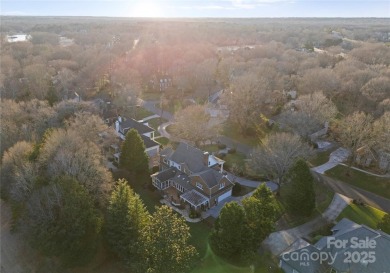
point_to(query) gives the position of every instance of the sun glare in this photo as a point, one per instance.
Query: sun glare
(146, 9)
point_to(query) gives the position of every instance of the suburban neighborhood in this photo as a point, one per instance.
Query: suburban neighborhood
(192, 145)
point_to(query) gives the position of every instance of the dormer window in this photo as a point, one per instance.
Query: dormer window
(200, 186)
(222, 185)
(179, 167)
(165, 161)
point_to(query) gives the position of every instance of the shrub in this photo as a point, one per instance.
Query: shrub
(236, 189)
(221, 146)
(194, 214)
(232, 151)
(221, 155)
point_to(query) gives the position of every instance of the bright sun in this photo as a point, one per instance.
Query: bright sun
(145, 8)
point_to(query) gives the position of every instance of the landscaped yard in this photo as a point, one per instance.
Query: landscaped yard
(374, 184)
(162, 140)
(321, 158)
(366, 215)
(232, 131)
(236, 159)
(154, 123)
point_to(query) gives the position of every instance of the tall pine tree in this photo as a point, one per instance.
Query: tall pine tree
(231, 237)
(127, 217)
(261, 213)
(133, 156)
(166, 243)
(300, 195)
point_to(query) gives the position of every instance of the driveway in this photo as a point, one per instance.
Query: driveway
(346, 189)
(336, 157)
(278, 241)
(150, 105)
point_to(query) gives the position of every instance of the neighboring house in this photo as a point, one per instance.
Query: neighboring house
(351, 248)
(366, 157)
(152, 148)
(161, 82)
(193, 177)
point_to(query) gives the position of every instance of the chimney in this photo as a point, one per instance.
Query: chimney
(206, 158)
(120, 119)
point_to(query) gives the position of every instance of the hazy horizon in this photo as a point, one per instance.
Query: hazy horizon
(199, 8)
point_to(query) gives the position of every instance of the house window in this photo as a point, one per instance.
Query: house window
(179, 167)
(200, 186)
(165, 161)
(221, 186)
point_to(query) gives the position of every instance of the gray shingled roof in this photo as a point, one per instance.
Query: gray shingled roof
(210, 176)
(167, 152)
(346, 230)
(166, 174)
(183, 180)
(129, 123)
(191, 156)
(149, 142)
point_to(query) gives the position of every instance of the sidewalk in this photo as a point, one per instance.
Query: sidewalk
(278, 241)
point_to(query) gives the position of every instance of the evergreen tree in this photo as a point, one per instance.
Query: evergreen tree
(61, 221)
(51, 95)
(261, 213)
(231, 237)
(127, 217)
(133, 156)
(300, 195)
(166, 243)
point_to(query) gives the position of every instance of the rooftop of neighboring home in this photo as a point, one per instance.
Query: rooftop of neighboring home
(130, 123)
(355, 238)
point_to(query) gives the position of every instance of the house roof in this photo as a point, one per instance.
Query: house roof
(346, 230)
(149, 143)
(191, 156)
(166, 174)
(194, 198)
(167, 152)
(183, 180)
(129, 123)
(210, 176)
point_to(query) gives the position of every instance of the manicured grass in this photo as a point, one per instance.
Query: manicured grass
(213, 264)
(366, 215)
(151, 95)
(162, 140)
(154, 123)
(374, 184)
(320, 158)
(142, 113)
(233, 131)
(199, 236)
(210, 148)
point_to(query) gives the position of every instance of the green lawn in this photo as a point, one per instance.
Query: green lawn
(321, 158)
(213, 264)
(154, 123)
(233, 131)
(162, 140)
(366, 215)
(374, 184)
(210, 148)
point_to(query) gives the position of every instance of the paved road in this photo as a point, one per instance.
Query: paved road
(278, 241)
(150, 105)
(346, 189)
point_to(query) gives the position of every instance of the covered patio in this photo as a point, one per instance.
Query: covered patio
(195, 199)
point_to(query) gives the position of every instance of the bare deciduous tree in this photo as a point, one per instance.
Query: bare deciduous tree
(194, 123)
(355, 131)
(276, 154)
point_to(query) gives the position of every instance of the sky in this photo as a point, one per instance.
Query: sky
(197, 8)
